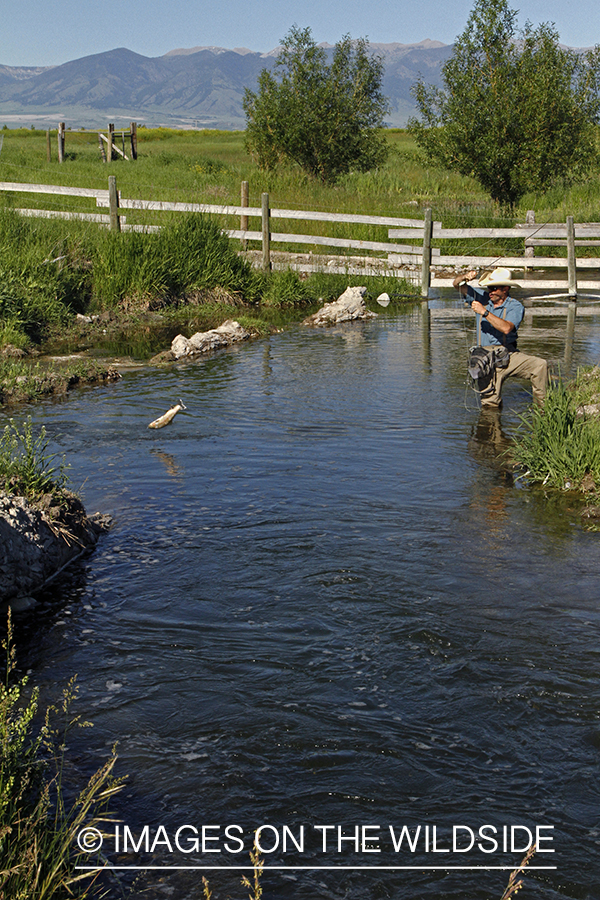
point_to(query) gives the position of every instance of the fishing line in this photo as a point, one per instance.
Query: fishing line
(494, 262)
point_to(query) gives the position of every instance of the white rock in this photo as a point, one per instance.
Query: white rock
(180, 346)
(227, 333)
(346, 308)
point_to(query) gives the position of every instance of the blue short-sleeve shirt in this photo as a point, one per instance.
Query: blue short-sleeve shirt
(511, 310)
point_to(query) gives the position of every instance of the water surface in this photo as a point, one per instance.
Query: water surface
(324, 602)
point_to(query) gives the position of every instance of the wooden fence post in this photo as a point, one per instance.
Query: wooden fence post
(111, 140)
(113, 203)
(61, 142)
(569, 335)
(266, 234)
(529, 220)
(101, 146)
(244, 219)
(571, 261)
(426, 263)
(133, 134)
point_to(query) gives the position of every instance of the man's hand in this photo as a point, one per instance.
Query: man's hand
(461, 280)
(478, 307)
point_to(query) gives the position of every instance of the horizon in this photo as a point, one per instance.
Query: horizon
(188, 51)
(37, 38)
(184, 51)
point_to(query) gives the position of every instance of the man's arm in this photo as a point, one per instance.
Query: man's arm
(503, 325)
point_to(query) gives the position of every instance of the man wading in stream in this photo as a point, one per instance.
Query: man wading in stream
(498, 318)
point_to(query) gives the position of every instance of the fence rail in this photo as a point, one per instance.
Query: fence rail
(399, 256)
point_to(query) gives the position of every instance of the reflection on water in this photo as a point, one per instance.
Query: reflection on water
(169, 462)
(324, 601)
(489, 444)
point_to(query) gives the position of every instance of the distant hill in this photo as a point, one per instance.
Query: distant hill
(201, 87)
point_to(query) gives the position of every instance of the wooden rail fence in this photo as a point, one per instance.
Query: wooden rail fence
(403, 260)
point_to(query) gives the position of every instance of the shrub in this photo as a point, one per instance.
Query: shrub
(517, 112)
(325, 117)
(189, 254)
(44, 275)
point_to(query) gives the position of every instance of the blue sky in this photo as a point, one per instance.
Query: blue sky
(41, 32)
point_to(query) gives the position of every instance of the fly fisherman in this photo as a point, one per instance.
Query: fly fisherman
(498, 318)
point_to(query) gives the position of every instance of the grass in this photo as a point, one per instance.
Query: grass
(27, 468)
(26, 379)
(559, 445)
(51, 269)
(208, 166)
(38, 826)
(58, 261)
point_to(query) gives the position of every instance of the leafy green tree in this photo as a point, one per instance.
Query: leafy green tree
(326, 117)
(517, 112)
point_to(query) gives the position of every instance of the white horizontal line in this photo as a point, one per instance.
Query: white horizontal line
(319, 868)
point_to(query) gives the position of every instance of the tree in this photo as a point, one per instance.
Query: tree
(517, 113)
(326, 117)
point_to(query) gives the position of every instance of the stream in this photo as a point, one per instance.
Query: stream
(326, 609)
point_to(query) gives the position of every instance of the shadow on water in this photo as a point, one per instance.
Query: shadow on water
(489, 445)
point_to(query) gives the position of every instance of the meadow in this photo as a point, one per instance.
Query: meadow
(52, 269)
(208, 166)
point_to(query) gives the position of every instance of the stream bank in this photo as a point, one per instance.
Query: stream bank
(39, 539)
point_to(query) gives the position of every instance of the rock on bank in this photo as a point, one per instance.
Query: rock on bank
(347, 308)
(38, 541)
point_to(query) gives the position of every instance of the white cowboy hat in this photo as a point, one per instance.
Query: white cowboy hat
(498, 278)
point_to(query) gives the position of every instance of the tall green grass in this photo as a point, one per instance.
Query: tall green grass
(208, 166)
(27, 467)
(44, 275)
(190, 254)
(51, 269)
(38, 827)
(559, 445)
(288, 288)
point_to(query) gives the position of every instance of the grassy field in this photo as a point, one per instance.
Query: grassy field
(208, 166)
(51, 269)
(559, 446)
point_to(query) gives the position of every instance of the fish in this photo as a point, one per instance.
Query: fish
(168, 416)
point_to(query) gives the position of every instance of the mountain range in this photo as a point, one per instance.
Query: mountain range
(201, 87)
